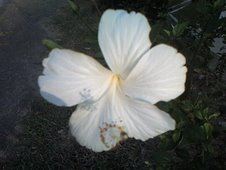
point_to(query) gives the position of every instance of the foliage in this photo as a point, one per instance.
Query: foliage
(191, 145)
(74, 6)
(50, 44)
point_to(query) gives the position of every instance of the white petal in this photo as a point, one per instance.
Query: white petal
(123, 38)
(71, 78)
(143, 120)
(98, 125)
(159, 76)
(102, 124)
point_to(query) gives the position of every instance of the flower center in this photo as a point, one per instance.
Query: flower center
(111, 134)
(116, 79)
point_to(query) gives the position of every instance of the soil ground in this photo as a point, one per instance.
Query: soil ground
(33, 133)
(21, 31)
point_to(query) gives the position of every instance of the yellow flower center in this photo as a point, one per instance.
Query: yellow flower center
(116, 79)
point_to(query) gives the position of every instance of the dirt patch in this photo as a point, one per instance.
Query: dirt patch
(21, 51)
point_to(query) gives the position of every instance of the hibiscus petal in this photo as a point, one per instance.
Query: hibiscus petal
(143, 120)
(98, 125)
(123, 38)
(71, 78)
(101, 125)
(159, 76)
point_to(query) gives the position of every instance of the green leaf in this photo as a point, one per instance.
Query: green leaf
(214, 116)
(177, 136)
(179, 28)
(155, 35)
(200, 104)
(210, 148)
(194, 134)
(51, 44)
(167, 32)
(208, 130)
(187, 105)
(218, 4)
(205, 113)
(166, 106)
(147, 163)
(75, 8)
(181, 124)
(198, 114)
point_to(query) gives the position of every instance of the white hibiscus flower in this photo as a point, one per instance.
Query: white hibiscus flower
(116, 103)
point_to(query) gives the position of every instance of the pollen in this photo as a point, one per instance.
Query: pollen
(111, 134)
(116, 79)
